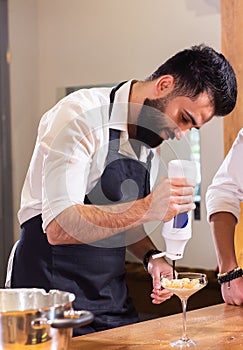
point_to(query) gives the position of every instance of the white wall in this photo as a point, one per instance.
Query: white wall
(61, 43)
(24, 85)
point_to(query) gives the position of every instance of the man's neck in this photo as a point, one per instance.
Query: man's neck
(138, 92)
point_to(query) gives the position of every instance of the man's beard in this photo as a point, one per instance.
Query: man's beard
(151, 121)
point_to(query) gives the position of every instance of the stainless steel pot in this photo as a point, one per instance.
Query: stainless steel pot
(30, 318)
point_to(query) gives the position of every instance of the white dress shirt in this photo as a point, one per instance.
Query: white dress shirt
(226, 191)
(71, 150)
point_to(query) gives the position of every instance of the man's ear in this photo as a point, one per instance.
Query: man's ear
(163, 85)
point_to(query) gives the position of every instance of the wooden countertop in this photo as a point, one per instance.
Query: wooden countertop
(214, 327)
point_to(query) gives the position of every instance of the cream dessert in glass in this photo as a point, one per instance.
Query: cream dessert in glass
(184, 285)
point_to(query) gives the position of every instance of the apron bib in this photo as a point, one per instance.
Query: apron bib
(95, 273)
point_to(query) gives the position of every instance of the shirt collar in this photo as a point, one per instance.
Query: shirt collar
(119, 114)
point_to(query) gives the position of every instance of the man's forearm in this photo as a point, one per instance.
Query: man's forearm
(89, 223)
(223, 227)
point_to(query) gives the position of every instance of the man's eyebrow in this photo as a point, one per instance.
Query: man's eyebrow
(192, 119)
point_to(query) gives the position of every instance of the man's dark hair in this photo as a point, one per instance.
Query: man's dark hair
(201, 69)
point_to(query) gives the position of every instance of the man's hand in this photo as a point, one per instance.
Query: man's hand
(169, 198)
(157, 268)
(234, 294)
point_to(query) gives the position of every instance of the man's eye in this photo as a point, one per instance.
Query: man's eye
(184, 119)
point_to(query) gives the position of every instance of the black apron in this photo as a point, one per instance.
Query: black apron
(95, 273)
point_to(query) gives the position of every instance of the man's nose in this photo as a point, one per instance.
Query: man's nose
(179, 134)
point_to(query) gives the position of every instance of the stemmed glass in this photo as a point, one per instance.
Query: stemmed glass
(184, 285)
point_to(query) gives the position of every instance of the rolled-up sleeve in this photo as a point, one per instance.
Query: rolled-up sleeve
(67, 158)
(226, 191)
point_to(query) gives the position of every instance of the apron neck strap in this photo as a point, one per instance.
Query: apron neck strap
(112, 95)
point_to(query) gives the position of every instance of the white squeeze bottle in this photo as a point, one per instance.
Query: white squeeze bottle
(178, 231)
